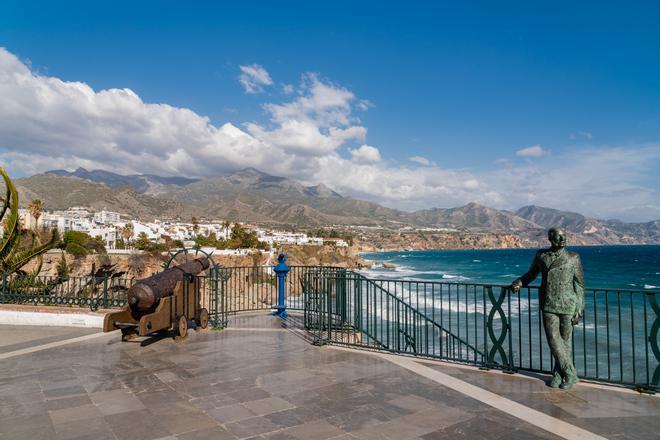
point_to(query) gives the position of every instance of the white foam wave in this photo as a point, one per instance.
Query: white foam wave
(650, 286)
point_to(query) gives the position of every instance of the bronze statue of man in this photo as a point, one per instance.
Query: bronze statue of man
(561, 297)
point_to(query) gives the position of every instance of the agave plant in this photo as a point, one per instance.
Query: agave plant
(14, 251)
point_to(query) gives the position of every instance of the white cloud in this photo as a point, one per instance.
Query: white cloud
(420, 160)
(288, 89)
(48, 123)
(582, 134)
(533, 151)
(253, 77)
(365, 154)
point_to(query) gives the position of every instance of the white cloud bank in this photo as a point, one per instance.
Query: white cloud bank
(365, 154)
(314, 137)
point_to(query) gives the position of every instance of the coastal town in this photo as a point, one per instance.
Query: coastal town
(119, 232)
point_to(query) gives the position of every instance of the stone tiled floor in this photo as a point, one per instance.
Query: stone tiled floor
(13, 337)
(267, 383)
(609, 412)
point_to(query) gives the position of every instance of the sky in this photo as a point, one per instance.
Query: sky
(409, 104)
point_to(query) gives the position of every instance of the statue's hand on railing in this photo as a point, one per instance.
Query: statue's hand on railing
(515, 286)
(576, 316)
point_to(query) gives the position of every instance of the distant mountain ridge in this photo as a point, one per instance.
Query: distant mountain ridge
(139, 182)
(254, 196)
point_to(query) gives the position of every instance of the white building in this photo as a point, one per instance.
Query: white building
(107, 233)
(106, 217)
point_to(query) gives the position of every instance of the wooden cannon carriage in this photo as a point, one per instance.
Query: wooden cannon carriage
(168, 300)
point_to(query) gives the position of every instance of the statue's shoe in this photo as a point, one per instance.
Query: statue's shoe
(569, 383)
(556, 381)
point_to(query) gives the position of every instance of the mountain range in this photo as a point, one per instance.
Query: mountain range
(250, 195)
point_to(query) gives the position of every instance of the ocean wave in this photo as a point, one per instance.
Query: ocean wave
(650, 286)
(476, 261)
(447, 276)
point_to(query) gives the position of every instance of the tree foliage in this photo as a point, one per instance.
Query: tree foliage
(18, 247)
(240, 238)
(80, 244)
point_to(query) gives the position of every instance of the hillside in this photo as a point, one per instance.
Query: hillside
(252, 196)
(472, 216)
(64, 192)
(592, 230)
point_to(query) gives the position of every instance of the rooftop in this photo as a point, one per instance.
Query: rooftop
(261, 378)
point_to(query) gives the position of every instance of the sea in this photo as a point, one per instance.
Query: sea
(612, 342)
(635, 267)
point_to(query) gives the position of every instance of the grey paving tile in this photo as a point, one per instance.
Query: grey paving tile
(268, 405)
(215, 433)
(32, 433)
(67, 415)
(136, 425)
(179, 423)
(76, 429)
(251, 427)
(68, 402)
(67, 391)
(304, 414)
(116, 401)
(248, 394)
(14, 426)
(318, 430)
(230, 413)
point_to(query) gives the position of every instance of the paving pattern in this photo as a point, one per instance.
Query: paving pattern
(266, 383)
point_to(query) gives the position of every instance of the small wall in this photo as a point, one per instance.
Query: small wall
(55, 317)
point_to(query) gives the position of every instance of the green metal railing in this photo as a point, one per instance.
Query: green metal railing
(616, 341)
(81, 291)
(231, 290)
(486, 325)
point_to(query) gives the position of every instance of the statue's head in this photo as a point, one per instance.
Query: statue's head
(557, 237)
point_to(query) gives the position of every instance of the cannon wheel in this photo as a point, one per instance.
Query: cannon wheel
(184, 255)
(181, 329)
(202, 320)
(128, 333)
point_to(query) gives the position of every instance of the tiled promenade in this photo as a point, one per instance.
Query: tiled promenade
(258, 380)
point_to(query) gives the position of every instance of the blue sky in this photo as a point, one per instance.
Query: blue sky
(467, 88)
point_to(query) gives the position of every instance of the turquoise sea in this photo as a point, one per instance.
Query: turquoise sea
(611, 267)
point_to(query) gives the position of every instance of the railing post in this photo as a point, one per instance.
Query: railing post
(281, 270)
(498, 340)
(653, 338)
(105, 290)
(213, 279)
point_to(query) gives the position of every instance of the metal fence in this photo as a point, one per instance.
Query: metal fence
(616, 341)
(80, 291)
(490, 326)
(231, 290)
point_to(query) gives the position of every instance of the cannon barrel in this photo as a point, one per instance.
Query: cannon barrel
(143, 296)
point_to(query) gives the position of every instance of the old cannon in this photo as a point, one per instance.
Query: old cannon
(165, 301)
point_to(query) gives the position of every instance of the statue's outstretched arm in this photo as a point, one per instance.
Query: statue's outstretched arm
(528, 277)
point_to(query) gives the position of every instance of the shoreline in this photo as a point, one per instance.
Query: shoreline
(362, 252)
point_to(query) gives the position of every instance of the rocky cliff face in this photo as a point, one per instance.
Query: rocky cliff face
(135, 266)
(392, 241)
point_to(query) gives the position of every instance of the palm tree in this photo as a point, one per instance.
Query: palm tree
(225, 226)
(127, 232)
(195, 226)
(36, 208)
